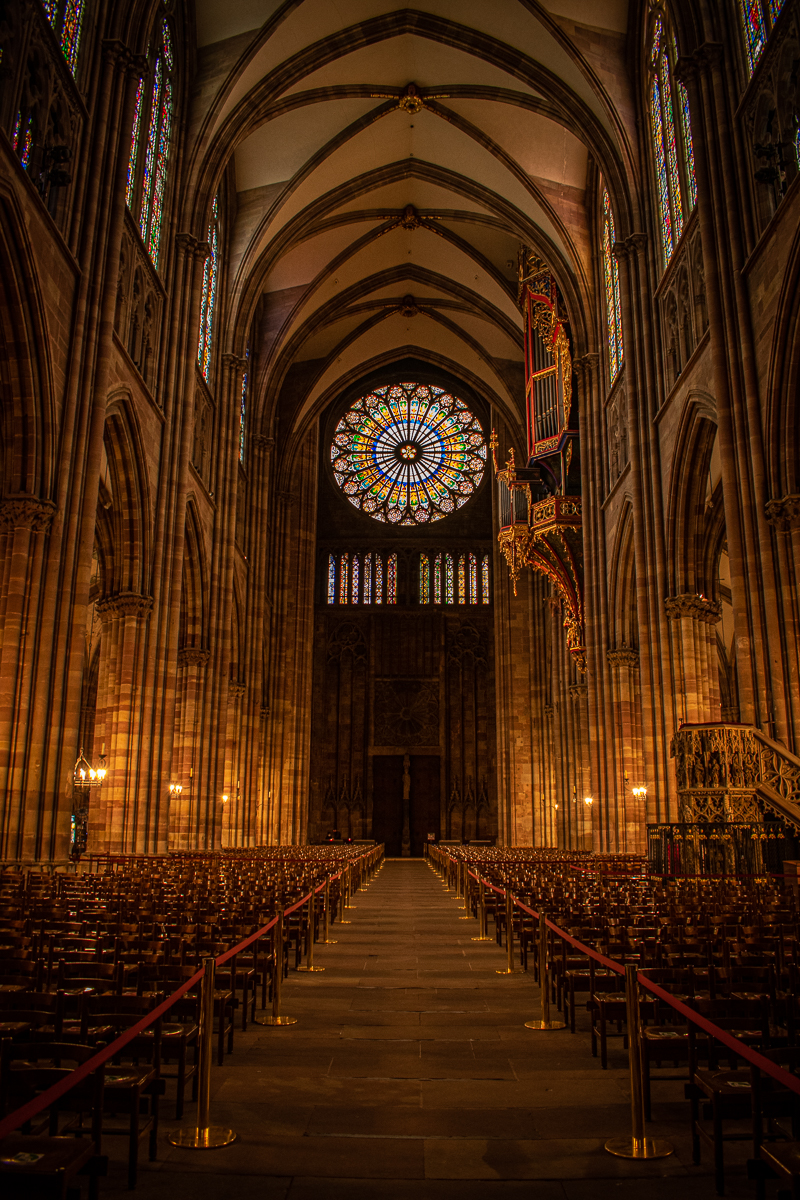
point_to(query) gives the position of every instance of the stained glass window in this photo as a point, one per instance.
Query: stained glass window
(462, 581)
(343, 573)
(22, 139)
(158, 121)
(391, 579)
(243, 404)
(331, 579)
(437, 579)
(368, 578)
(378, 579)
(485, 579)
(611, 275)
(449, 594)
(472, 578)
(408, 454)
(354, 574)
(66, 17)
(424, 580)
(755, 29)
(671, 136)
(209, 294)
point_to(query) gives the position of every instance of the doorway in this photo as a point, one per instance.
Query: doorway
(387, 801)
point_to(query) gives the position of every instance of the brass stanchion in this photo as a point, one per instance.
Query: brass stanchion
(309, 963)
(482, 934)
(343, 898)
(467, 914)
(327, 940)
(510, 969)
(544, 983)
(350, 887)
(277, 980)
(205, 1136)
(637, 1146)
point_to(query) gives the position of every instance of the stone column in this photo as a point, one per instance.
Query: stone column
(631, 817)
(692, 619)
(192, 663)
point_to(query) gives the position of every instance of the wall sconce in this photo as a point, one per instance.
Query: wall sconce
(175, 789)
(85, 775)
(224, 799)
(641, 790)
(588, 801)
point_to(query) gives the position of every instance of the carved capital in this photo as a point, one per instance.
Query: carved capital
(186, 243)
(620, 251)
(578, 691)
(192, 656)
(202, 251)
(234, 362)
(26, 512)
(235, 689)
(784, 514)
(685, 68)
(287, 499)
(699, 608)
(548, 711)
(636, 242)
(265, 444)
(709, 54)
(125, 604)
(623, 656)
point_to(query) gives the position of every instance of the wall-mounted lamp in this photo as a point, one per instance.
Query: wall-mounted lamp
(588, 801)
(224, 799)
(641, 790)
(175, 789)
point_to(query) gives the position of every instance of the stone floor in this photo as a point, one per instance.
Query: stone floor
(410, 1074)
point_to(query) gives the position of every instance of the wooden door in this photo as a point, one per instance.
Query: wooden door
(425, 799)
(387, 802)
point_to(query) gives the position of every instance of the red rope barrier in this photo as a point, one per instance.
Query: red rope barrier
(54, 1093)
(732, 1043)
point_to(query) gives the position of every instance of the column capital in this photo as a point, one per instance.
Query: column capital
(623, 656)
(689, 604)
(784, 513)
(22, 511)
(125, 604)
(193, 656)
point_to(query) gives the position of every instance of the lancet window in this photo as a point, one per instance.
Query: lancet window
(150, 143)
(362, 578)
(446, 578)
(671, 135)
(758, 17)
(209, 296)
(66, 18)
(243, 404)
(611, 278)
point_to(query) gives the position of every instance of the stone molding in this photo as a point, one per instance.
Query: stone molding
(125, 604)
(236, 690)
(784, 514)
(623, 656)
(234, 361)
(579, 691)
(26, 512)
(699, 608)
(193, 656)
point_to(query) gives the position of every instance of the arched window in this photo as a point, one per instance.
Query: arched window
(437, 579)
(676, 187)
(209, 293)
(243, 404)
(391, 579)
(149, 157)
(331, 579)
(758, 17)
(66, 17)
(485, 579)
(424, 580)
(611, 275)
(354, 578)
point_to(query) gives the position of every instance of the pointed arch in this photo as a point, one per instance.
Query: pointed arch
(622, 592)
(686, 506)
(130, 513)
(193, 589)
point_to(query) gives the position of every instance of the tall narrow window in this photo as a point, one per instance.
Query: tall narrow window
(462, 581)
(485, 579)
(209, 296)
(22, 138)
(344, 564)
(331, 579)
(472, 578)
(354, 572)
(424, 580)
(379, 579)
(243, 404)
(673, 152)
(755, 30)
(391, 579)
(368, 578)
(437, 579)
(613, 306)
(155, 113)
(449, 590)
(66, 18)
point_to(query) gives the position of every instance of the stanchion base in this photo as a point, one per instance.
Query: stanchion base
(482, 939)
(345, 922)
(327, 941)
(202, 1139)
(467, 917)
(545, 1025)
(276, 1021)
(510, 971)
(631, 1147)
(305, 968)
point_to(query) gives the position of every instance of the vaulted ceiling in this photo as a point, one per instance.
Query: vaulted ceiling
(387, 163)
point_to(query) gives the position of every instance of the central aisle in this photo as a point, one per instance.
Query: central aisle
(410, 1074)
